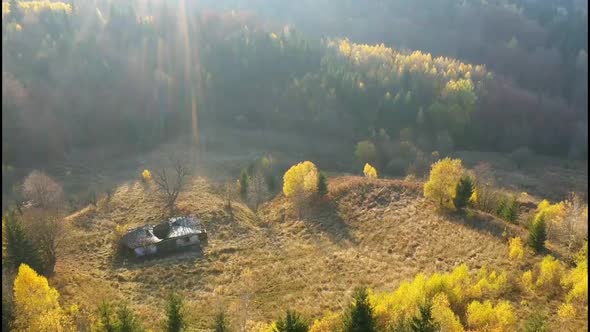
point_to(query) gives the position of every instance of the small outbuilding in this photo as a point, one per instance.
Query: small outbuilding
(169, 236)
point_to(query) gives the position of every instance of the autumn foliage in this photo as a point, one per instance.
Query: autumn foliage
(36, 304)
(370, 171)
(301, 181)
(441, 185)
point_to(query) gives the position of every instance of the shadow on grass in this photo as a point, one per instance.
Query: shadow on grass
(483, 223)
(188, 254)
(323, 215)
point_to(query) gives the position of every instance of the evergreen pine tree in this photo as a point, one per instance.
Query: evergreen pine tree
(359, 315)
(322, 184)
(511, 213)
(291, 323)
(538, 234)
(221, 323)
(20, 249)
(105, 317)
(174, 314)
(463, 192)
(501, 209)
(127, 322)
(425, 322)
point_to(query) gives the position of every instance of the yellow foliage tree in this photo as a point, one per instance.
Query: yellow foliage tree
(490, 283)
(527, 281)
(146, 175)
(577, 278)
(442, 313)
(553, 213)
(370, 171)
(550, 273)
(403, 303)
(301, 181)
(516, 249)
(36, 304)
(486, 317)
(444, 176)
(328, 323)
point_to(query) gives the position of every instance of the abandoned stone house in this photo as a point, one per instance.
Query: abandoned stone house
(172, 235)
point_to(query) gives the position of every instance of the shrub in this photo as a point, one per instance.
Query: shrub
(566, 312)
(538, 234)
(221, 323)
(550, 273)
(424, 322)
(536, 323)
(359, 314)
(174, 314)
(365, 151)
(43, 191)
(146, 175)
(516, 249)
(291, 323)
(370, 171)
(484, 316)
(329, 323)
(444, 176)
(301, 181)
(527, 281)
(322, 184)
(463, 192)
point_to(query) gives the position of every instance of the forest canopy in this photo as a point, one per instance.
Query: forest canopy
(81, 75)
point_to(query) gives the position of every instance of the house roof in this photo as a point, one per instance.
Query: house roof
(177, 227)
(140, 237)
(183, 226)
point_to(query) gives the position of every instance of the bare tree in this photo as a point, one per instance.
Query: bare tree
(575, 224)
(43, 191)
(487, 195)
(47, 229)
(257, 190)
(170, 181)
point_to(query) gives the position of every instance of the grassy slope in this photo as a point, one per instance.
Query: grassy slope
(373, 232)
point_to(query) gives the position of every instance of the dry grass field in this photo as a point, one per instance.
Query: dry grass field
(370, 232)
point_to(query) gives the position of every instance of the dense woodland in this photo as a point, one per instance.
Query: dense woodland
(482, 75)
